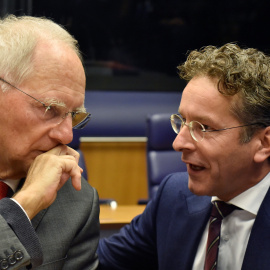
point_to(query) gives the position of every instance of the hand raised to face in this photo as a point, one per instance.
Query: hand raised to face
(47, 174)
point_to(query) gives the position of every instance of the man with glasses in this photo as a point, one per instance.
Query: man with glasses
(52, 218)
(217, 215)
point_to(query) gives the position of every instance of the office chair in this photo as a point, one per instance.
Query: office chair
(75, 144)
(162, 159)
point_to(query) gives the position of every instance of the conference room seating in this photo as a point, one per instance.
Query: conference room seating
(75, 144)
(162, 159)
(123, 113)
(114, 143)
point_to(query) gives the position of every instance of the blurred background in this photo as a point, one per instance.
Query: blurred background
(137, 44)
(131, 50)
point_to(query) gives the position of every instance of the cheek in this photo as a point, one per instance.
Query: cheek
(19, 136)
(18, 141)
(219, 160)
(228, 162)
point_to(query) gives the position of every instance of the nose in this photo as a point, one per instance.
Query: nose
(63, 132)
(183, 140)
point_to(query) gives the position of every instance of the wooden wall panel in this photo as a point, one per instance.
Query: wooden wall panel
(117, 169)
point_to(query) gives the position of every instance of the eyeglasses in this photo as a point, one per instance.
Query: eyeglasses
(196, 129)
(52, 112)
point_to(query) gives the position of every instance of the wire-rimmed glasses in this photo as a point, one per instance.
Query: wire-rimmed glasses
(53, 112)
(196, 129)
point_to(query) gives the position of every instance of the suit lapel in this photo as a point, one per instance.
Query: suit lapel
(191, 227)
(257, 255)
(199, 216)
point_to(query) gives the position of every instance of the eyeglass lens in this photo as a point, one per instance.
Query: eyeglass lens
(196, 129)
(80, 120)
(54, 113)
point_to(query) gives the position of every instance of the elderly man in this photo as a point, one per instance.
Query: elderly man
(223, 129)
(52, 219)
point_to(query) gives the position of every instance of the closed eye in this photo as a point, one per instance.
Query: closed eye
(52, 111)
(74, 114)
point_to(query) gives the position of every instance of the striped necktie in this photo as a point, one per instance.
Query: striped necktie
(4, 189)
(219, 211)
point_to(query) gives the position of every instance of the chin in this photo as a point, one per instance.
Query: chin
(198, 188)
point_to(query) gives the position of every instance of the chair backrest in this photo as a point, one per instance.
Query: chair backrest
(123, 113)
(162, 159)
(75, 144)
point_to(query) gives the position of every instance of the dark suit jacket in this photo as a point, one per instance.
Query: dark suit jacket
(167, 234)
(65, 235)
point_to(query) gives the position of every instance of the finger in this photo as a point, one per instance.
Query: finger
(64, 150)
(74, 153)
(71, 169)
(58, 150)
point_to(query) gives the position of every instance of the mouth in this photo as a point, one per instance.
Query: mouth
(195, 167)
(37, 153)
(192, 167)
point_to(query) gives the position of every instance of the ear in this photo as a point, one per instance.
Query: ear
(263, 151)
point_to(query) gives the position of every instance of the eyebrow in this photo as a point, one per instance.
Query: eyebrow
(200, 119)
(56, 102)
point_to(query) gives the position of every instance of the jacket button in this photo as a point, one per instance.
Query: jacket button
(18, 255)
(11, 260)
(4, 264)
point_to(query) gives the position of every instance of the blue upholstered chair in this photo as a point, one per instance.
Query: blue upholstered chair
(161, 157)
(75, 144)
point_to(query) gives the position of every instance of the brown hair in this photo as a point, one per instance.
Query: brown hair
(241, 72)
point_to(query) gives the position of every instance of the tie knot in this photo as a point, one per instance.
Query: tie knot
(221, 209)
(4, 190)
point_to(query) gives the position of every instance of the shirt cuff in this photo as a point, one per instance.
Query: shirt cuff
(21, 208)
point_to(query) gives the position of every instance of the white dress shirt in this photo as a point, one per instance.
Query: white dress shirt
(235, 229)
(13, 184)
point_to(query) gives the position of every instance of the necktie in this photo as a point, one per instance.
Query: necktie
(4, 188)
(219, 211)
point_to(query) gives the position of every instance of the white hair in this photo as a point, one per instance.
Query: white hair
(19, 36)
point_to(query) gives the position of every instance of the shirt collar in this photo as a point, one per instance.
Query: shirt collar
(251, 199)
(12, 183)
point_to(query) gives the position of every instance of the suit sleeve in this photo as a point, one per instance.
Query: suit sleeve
(135, 246)
(19, 244)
